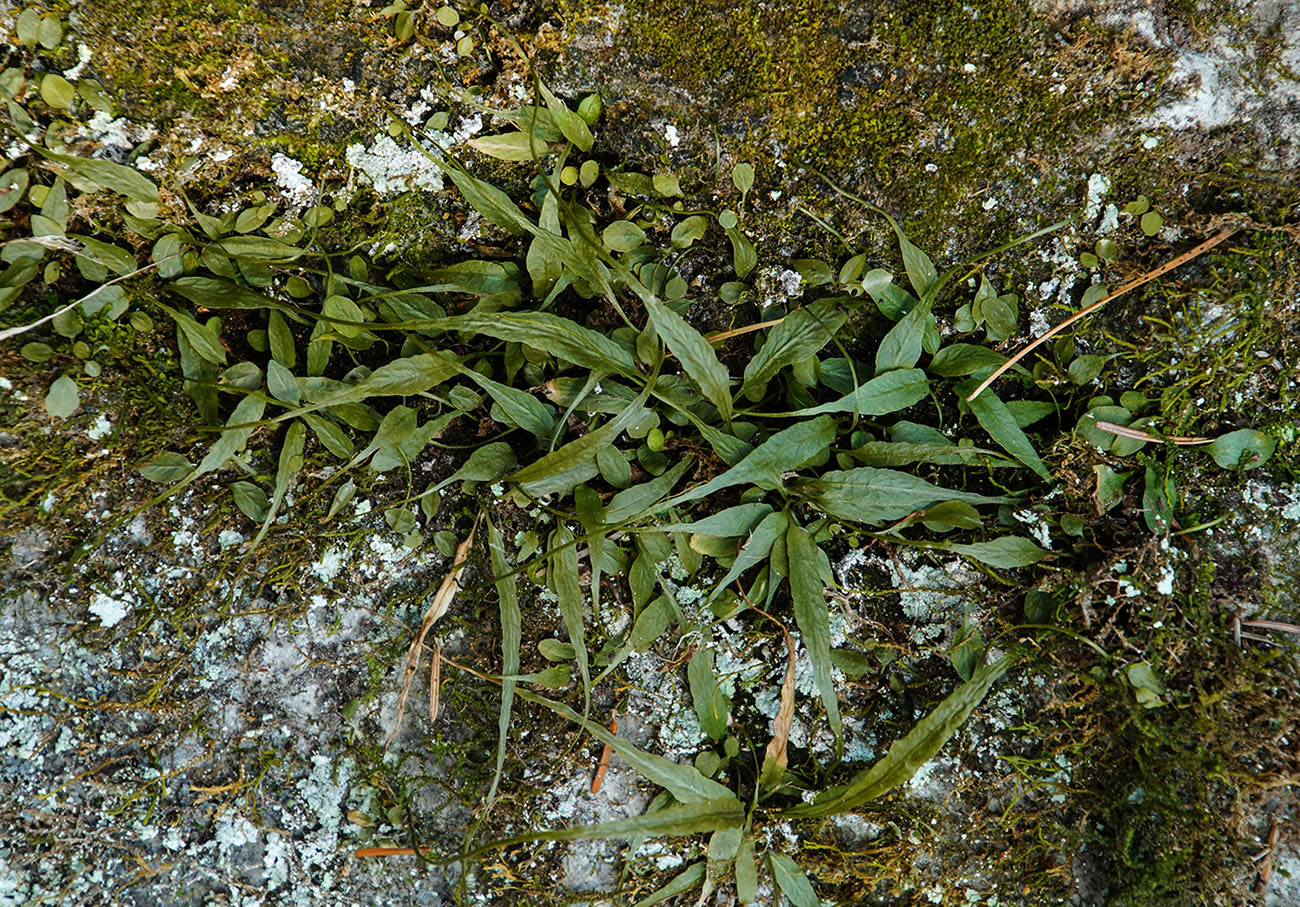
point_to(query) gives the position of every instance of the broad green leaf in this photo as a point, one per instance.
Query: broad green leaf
(684, 782)
(786, 450)
(801, 334)
(641, 498)
(217, 293)
(232, 440)
(756, 548)
(998, 421)
(948, 515)
(489, 201)
(1242, 449)
(695, 354)
(730, 523)
(622, 236)
(570, 124)
(399, 378)
(888, 453)
(884, 394)
(746, 872)
(688, 231)
(167, 254)
(258, 248)
(685, 881)
(334, 439)
(281, 340)
(1110, 487)
(281, 383)
(115, 258)
(906, 756)
(901, 347)
(556, 471)
(560, 337)
(251, 500)
(507, 586)
(712, 705)
(485, 464)
(166, 468)
(961, 359)
(1005, 552)
(651, 623)
(791, 881)
(63, 398)
(510, 146)
(521, 407)
(871, 495)
(57, 91)
(743, 255)
(545, 267)
(347, 491)
(562, 576)
(920, 270)
(812, 614)
(89, 174)
(201, 338)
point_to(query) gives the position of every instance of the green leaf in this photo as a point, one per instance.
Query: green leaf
(960, 359)
(557, 470)
(399, 378)
(88, 174)
(507, 586)
(520, 407)
(640, 498)
(742, 177)
(712, 705)
(901, 347)
(63, 398)
(791, 881)
(967, 651)
(166, 468)
(756, 548)
(622, 236)
(886, 453)
(251, 500)
(1242, 449)
(743, 255)
(697, 357)
(330, 435)
(281, 383)
(871, 495)
(562, 575)
(688, 231)
(684, 782)
(258, 248)
(887, 393)
(115, 258)
(1005, 552)
(200, 337)
(289, 464)
(570, 124)
(217, 293)
(1110, 487)
(651, 623)
(510, 146)
(1147, 688)
(683, 882)
(730, 523)
(57, 91)
(786, 450)
(489, 201)
(558, 336)
(812, 614)
(914, 750)
(746, 872)
(232, 440)
(998, 421)
(801, 334)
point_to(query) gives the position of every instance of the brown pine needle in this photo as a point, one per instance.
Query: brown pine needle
(389, 851)
(747, 329)
(1138, 434)
(603, 766)
(1165, 268)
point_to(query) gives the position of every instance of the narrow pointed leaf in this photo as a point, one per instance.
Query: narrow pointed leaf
(785, 451)
(871, 495)
(563, 578)
(998, 421)
(907, 755)
(1006, 552)
(695, 354)
(884, 394)
(684, 782)
(812, 614)
(902, 345)
(791, 881)
(511, 638)
(232, 440)
(801, 334)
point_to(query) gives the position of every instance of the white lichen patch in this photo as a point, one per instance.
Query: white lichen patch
(393, 169)
(296, 188)
(111, 610)
(101, 428)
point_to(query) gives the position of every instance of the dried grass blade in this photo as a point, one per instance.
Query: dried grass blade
(775, 757)
(1138, 434)
(1088, 310)
(442, 600)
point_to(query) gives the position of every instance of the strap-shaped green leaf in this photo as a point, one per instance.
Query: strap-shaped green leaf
(801, 334)
(914, 750)
(871, 495)
(695, 354)
(812, 614)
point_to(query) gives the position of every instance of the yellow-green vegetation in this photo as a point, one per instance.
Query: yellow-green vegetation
(539, 375)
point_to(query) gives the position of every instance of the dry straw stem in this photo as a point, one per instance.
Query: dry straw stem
(442, 600)
(1088, 310)
(605, 754)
